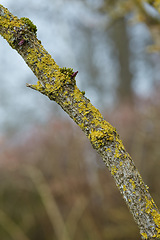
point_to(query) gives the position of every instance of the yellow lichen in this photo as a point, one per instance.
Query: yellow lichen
(150, 208)
(113, 170)
(156, 217)
(43, 65)
(117, 153)
(124, 188)
(133, 183)
(144, 235)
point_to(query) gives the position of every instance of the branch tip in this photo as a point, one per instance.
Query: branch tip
(30, 86)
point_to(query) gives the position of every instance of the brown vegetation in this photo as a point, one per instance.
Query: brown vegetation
(54, 186)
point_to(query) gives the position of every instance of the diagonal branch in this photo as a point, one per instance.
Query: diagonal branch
(60, 85)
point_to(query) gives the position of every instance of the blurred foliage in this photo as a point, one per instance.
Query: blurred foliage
(54, 186)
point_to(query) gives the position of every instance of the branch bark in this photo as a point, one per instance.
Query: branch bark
(60, 85)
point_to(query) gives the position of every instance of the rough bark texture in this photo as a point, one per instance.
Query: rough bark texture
(60, 85)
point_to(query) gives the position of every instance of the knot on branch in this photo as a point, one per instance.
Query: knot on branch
(63, 80)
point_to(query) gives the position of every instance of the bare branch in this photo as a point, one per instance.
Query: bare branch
(59, 85)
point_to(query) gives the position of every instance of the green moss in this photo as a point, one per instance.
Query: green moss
(67, 71)
(30, 24)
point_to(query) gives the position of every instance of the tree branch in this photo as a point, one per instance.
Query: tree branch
(59, 85)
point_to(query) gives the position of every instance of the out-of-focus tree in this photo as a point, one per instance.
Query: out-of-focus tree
(122, 15)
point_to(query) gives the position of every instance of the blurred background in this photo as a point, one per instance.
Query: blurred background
(53, 185)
